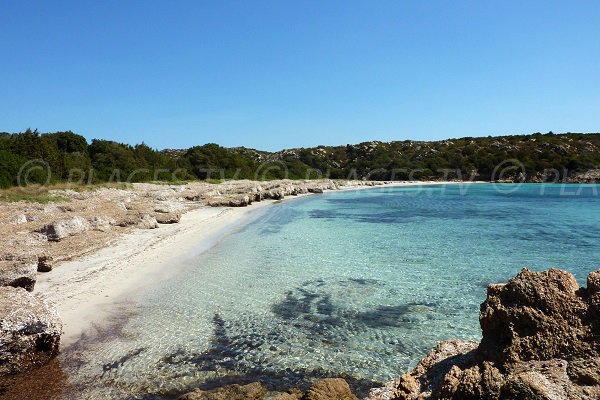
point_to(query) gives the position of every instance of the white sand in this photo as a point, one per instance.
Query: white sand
(92, 288)
(95, 287)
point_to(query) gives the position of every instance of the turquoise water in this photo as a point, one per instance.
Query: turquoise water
(359, 284)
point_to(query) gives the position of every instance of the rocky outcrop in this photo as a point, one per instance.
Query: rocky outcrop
(29, 331)
(540, 341)
(62, 229)
(19, 271)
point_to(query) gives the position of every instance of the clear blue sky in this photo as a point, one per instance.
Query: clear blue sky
(280, 74)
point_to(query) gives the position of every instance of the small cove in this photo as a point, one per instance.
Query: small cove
(359, 284)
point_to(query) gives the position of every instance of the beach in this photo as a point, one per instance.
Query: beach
(103, 284)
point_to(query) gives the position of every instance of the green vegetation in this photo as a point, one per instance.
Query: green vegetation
(29, 156)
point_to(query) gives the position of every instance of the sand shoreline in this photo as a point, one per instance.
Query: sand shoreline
(91, 289)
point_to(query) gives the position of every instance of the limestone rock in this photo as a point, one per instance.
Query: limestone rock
(330, 389)
(30, 331)
(170, 218)
(252, 391)
(169, 207)
(147, 222)
(100, 223)
(62, 229)
(19, 272)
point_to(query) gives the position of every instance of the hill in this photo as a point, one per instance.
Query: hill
(69, 157)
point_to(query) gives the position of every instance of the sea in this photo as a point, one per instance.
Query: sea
(358, 284)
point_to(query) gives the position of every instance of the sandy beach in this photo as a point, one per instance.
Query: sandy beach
(89, 289)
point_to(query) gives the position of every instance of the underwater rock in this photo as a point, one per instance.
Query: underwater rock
(251, 391)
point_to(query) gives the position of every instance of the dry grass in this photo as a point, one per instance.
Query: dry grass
(43, 193)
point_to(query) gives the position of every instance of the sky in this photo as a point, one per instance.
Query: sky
(282, 74)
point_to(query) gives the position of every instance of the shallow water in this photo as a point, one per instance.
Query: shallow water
(358, 284)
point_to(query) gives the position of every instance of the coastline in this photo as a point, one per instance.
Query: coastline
(103, 284)
(89, 289)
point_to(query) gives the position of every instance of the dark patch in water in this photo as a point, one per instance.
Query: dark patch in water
(247, 349)
(108, 367)
(233, 353)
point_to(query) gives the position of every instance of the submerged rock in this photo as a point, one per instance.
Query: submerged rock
(30, 331)
(540, 341)
(324, 389)
(252, 391)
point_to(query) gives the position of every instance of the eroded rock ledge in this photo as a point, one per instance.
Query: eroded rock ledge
(30, 331)
(541, 340)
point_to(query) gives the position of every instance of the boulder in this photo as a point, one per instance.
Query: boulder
(169, 207)
(30, 331)
(147, 222)
(330, 389)
(535, 316)
(45, 263)
(252, 391)
(19, 272)
(62, 229)
(102, 224)
(170, 218)
(540, 341)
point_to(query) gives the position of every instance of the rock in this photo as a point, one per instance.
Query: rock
(292, 394)
(30, 331)
(252, 391)
(285, 396)
(169, 207)
(19, 219)
(44, 263)
(230, 201)
(19, 272)
(102, 224)
(540, 341)
(62, 229)
(585, 371)
(593, 282)
(171, 218)
(128, 220)
(147, 222)
(535, 316)
(330, 389)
